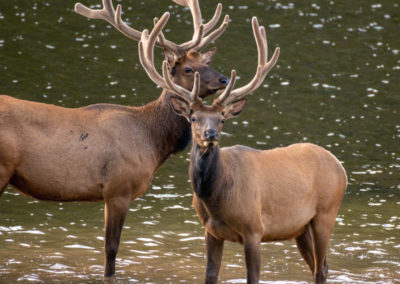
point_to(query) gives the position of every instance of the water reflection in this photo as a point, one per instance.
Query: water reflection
(334, 85)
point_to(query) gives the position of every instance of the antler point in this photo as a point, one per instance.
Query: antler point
(78, 7)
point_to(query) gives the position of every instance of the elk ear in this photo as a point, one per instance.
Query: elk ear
(209, 55)
(234, 109)
(181, 107)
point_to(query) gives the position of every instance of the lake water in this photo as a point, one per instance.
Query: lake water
(336, 84)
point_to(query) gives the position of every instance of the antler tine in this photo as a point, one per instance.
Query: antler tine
(194, 95)
(123, 27)
(228, 89)
(214, 35)
(263, 67)
(214, 20)
(194, 8)
(198, 42)
(110, 15)
(146, 50)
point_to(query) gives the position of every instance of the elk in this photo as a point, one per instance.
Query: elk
(105, 152)
(251, 196)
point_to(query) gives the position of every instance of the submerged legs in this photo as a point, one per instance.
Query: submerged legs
(115, 212)
(322, 226)
(305, 246)
(4, 178)
(214, 256)
(252, 250)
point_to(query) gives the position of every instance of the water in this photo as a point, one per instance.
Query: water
(336, 84)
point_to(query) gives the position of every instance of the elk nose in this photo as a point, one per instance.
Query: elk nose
(211, 134)
(224, 80)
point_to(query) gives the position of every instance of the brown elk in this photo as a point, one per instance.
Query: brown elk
(105, 152)
(251, 196)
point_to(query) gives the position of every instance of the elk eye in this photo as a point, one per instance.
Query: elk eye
(193, 119)
(223, 121)
(188, 70)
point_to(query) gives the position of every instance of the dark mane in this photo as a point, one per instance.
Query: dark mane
(208, 177)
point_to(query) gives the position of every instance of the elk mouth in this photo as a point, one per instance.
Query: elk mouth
(210, 143)
(212, 92)
(215, 91)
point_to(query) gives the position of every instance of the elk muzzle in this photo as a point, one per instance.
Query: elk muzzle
(211, 138)
(212, 81)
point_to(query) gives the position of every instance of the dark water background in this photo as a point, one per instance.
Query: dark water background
(336, 84)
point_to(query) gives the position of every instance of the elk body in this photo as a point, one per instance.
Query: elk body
(251, 196)
(104, 152)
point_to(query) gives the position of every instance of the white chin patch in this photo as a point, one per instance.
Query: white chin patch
(209, 144)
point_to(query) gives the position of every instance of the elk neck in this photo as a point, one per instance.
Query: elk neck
(206, 172)
(168, 131)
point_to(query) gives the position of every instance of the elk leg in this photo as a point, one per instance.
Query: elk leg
(115, 211)
(252, 250)
(322, 226)
(2, 188)
(214, 248)
(305, 246)
(4, 178)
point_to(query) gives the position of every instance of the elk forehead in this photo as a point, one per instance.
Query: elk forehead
(194, 59)
(201, 109)
(206, 117)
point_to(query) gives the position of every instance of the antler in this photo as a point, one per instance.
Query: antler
(146, 57)
(197, 42)
(263, 68)
(110, 15)
(197, 23)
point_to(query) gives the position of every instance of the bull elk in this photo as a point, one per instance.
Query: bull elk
(106, 152)
(251, 196)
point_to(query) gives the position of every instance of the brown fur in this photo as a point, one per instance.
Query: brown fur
(251, 196)
(97, 153)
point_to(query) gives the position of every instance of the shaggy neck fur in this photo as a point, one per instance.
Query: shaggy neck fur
(205, 170)
(168, 131)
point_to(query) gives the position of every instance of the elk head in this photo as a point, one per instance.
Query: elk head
(182, 71)
(206, 121)
(184, 59)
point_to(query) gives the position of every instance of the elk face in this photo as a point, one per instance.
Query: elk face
(206, 121)
(183, 69)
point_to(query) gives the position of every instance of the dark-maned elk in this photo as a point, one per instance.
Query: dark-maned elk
(104, 152)
(251, 196)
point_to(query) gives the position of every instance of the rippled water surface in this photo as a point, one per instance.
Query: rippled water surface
(336, 84)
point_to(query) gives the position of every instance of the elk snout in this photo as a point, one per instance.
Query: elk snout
(224, 80)
(211, 135)
(218, 84)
